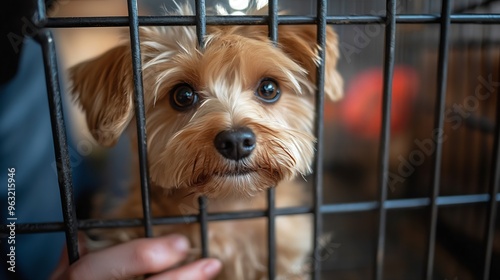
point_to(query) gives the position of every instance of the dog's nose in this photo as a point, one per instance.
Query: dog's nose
(235, 144)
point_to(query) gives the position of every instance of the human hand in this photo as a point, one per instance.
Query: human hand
(139, 257)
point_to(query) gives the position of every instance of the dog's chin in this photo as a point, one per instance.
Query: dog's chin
(238, 183)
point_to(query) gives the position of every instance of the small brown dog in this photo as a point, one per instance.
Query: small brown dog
(228, 122)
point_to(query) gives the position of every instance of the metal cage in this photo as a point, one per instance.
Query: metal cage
(390, 20)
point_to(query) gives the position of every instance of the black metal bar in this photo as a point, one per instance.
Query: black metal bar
(385, 133)
(271, 193)
(201, 31)
(69, 22)
(140, 114)
(273, 20)
(438, 124)
(203, 220)
(40, 15)
(351, 207)
(201, 22)
(462, 199)
(494, 188)
(321, 14)
(64, 175)
(34, 228)
(271, 233)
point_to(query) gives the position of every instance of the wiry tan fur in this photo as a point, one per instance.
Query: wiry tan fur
(183, 161)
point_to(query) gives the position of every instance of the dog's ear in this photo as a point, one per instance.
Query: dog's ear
(299, 42)
(103, 88)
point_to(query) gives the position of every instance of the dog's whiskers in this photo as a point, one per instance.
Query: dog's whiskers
(286, 150)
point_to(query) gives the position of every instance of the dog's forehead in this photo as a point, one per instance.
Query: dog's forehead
(236, 60)
(231, 61)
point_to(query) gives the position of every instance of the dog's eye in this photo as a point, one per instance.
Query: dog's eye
(268, 90)
(183, 97)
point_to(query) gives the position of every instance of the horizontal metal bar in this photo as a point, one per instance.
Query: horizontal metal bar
(351, 207)
(33, 228)
(122, 21)
(407, 203)
(456, 18)
(463, 199)
(293, 211)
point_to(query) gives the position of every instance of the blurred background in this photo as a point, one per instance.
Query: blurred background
(353, 125)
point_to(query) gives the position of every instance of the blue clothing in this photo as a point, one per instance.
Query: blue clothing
(27, 146)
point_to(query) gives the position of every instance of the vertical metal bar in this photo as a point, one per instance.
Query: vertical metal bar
(319, 129)
(140, 114)
(439, 124)
(60, 143)
(494, 188)
(273, 21)
(201, 30)
(385, 133)
(202, 202)
(271, 194)
(40, 15)
(201, 22)
(271, 233)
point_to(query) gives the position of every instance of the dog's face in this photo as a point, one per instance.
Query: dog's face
(233, 118)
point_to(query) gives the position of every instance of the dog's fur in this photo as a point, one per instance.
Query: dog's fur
(183, 161)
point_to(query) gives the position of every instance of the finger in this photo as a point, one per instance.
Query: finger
(63, 263)
(204, 269)
(134, 258)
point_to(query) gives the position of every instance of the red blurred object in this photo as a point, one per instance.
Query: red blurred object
(361, 109)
